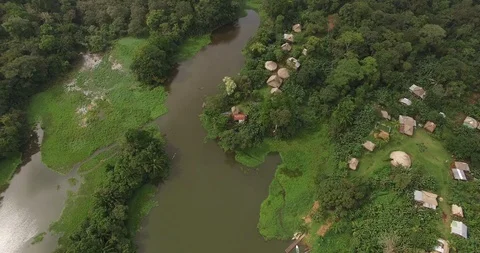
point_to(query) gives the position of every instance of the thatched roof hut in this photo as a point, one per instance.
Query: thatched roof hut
(293, 63)
(419, 91)
(288, 37)
(385, 115)
(274, 81)
(383, 135)
(428, 199)
(368, 145)
(400, 158)
(283, 73)
(407, 125)
(305, 51)
(235, 110)
(286, 47)
(462, 166)
(297, 28)
(430, 126)
(470, 122)
(457, 210)
(405, 101)
(271, 65)
(275, 91)
(353, 163)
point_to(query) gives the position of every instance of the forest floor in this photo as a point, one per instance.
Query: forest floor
(126, 105)
(293, 190)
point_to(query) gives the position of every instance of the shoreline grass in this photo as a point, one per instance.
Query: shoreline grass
(192, 46)
(8, 166)
(139, 206)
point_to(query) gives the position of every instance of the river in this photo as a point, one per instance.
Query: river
(209, 204)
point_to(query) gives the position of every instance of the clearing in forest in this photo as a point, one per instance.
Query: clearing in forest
(95, 107)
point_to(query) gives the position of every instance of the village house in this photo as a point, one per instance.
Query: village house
(417, 90)
(286, 47)
(240, 118)
(368, 145)
(382, 135)
(442, 247)
(288, 37)
(470, 122)
(385, 115)
(297, 28)
(459, 228)
(457, 211)
(430, 126)
(400, 158)
(427, 199)
(462, 166)
(274, 81)
(293, 63)
(283, 73)
(275, 91)
(405, 101)
(271, 65)
(459, 174)
(353, 163)
(407, 125)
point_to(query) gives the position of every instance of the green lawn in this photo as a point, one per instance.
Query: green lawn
(120, 104)
(8, 167)
(292, 191)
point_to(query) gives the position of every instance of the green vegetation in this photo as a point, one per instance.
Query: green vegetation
(192, 46)
(357, 58)
(38, 238)
(254, 4)
(8, 166)
(104, 221)
(94, 109)
(139, 206)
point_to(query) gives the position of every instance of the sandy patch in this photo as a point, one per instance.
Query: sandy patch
(324, 228)
(115, 65)
(90, 61)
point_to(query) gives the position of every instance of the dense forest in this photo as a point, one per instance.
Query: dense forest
(42, 39)
(357, 58)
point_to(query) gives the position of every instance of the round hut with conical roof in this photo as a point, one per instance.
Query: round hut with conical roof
(283, 73)
(271, 65)
(274, 81)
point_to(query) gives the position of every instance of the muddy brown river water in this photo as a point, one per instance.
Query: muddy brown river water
(209, 204)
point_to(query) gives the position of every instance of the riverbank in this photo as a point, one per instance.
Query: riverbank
(8, 166)
(134, 106)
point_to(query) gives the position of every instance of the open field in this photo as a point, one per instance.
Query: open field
(95, 108)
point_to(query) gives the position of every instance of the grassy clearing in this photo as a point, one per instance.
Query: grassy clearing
(140, 205)
(192, 46)
(8, 167)
(98, 160)
(112, 102)
(292, 191)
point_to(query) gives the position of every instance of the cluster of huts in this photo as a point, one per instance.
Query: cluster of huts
(458, 169)
(281, 73)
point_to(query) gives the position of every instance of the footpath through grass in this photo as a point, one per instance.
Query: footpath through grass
(94, 108)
